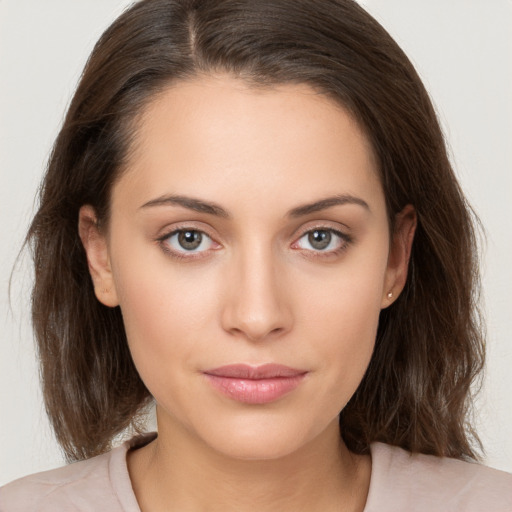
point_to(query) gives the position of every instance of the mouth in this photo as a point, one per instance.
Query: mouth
(255, 384)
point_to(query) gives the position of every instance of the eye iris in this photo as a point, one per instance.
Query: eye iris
(320, 239)
(190, 239)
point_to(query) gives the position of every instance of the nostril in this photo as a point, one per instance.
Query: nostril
(259, 329)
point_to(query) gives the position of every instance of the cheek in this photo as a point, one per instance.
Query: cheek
(345, 354)
(166, 310)
(166, 323)
(344, 329)
(340, 316)
(345, 298)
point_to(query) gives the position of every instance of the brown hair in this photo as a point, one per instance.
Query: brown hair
(417, 390)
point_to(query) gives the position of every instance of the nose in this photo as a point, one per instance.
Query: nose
(256, 305)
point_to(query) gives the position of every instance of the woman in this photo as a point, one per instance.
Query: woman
(249, 217)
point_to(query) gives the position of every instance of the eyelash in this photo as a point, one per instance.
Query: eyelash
(181, 255)
(345, 240)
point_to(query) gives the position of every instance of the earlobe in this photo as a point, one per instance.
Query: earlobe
(98, 260)
(399, 254)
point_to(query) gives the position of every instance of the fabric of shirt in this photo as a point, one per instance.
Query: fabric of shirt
(400, 482)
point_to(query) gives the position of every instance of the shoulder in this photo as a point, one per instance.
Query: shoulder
(100, 483)
(418, 482)
(56, 488)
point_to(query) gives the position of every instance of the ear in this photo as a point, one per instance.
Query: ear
(399, 254)
(98, 259)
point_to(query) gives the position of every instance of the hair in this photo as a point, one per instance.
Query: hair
(417, 392)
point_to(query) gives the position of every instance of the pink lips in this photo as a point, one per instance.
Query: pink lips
(255, 385)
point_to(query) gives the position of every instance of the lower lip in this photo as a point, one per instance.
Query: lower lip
(255, 391)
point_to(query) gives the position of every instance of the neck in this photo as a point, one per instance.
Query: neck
(179, 472)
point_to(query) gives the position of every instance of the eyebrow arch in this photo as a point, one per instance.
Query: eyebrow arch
(202, 206)
(191, 203)
(328, 202)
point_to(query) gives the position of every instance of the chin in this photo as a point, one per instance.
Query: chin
(259, 448)
(267, 439)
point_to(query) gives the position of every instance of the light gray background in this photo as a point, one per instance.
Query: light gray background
(463, 51)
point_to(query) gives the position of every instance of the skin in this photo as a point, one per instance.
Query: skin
(257, 290)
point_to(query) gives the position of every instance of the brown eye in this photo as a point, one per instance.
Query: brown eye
(190, 240)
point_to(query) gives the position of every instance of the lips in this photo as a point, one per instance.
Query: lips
(255, 385)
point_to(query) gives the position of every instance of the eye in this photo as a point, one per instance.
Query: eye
(322, 240)
(184, 241)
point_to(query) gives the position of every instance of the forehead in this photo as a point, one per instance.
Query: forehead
(220, 137)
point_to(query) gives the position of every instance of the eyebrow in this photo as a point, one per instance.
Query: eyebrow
(202, 206)
(328, 202)
(190, 203)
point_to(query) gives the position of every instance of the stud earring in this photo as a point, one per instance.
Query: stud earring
(390, 295)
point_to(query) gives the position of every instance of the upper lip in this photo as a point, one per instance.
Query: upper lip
(246, 371)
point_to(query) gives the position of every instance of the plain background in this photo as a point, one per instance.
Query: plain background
(461, 48)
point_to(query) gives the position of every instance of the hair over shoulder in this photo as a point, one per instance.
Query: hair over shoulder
(417, 391)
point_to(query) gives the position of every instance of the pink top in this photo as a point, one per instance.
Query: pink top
(400, 482)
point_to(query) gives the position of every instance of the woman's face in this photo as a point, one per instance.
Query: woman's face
(249, 229)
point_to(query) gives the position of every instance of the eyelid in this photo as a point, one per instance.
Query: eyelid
(344, 237)
(326, 226)
(186, 255)
(190, 225)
